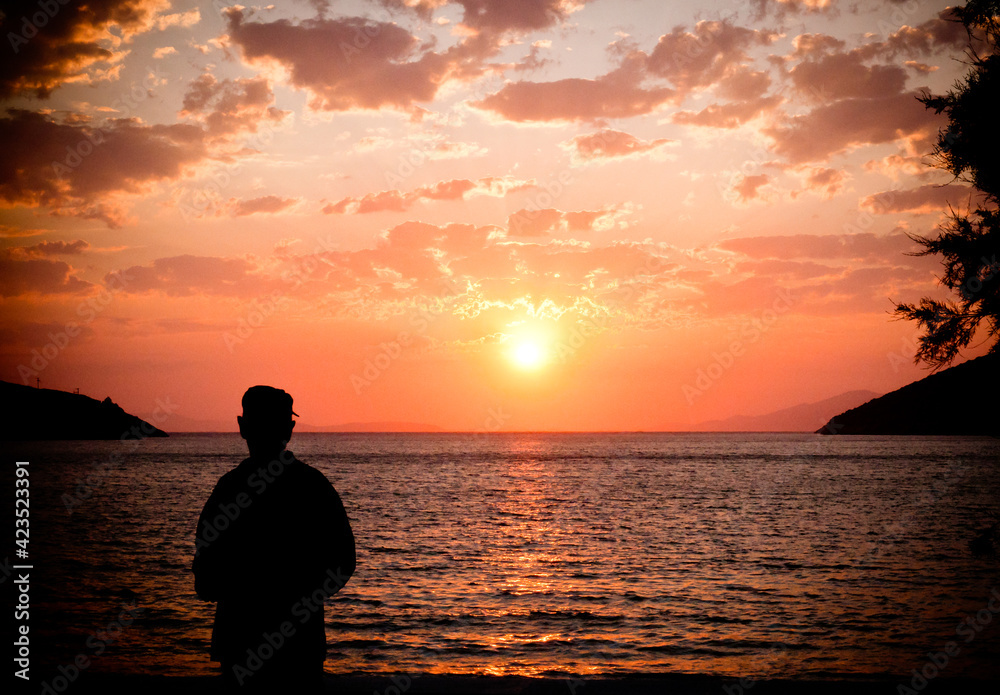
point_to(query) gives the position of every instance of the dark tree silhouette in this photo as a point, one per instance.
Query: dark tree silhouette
(970, 149)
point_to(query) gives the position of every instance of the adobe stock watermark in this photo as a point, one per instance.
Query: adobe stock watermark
(389, 351)
(94, 480)
(260, 309)
(584, 330)
(269, 305)
(97, 643)
(127, 102)
(272, 642)
(195, 202)
(363, 36)
(47, 10)
(543, 200)
(968, 629)
(87, 310)
(750, 332)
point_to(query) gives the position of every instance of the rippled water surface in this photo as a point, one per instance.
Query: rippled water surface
(538, 554)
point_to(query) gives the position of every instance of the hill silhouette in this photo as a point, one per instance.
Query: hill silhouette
(49, 414)
(798, 418)
(956, 401)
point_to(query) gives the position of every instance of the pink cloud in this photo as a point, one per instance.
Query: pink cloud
(845, 76)
(456, 189)
(533, 222)
(814, 45)
(231, 106)
(52, 248)
(830, 129)
(611, 144)
(826, 182)
(186, 275)
(618, 94)
(858, 247)
(943, 32)
(269, 204)
(705, 56)
(749, 187)
(730, 115)
(22, 272)
(924, 200)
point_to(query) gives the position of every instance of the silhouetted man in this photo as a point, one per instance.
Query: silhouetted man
(273, 542)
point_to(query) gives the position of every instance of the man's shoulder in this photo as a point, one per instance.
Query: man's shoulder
(237, 472)
(309, 473)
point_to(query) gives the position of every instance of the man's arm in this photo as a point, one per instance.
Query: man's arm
(341, 551)
(205, 564)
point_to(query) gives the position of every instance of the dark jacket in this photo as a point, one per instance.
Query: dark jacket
(272, 535)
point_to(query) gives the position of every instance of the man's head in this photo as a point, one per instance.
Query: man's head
(266, 422)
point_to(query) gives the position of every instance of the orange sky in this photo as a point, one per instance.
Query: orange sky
(482, 214)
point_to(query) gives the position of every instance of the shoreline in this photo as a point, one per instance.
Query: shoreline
(448, 684)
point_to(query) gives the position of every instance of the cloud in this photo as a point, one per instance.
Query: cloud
(540, 222)
(10, 232)
(77, 169)
(814, 45)
(497, 17)
(826, 182)
(51, 248)
(749, 187)
(699, 58)
(21, 272)
(834, 128)
(794, 7)
(186, 275)
(231, 106)
(455, 189)
(70, 43)
(179, 19)
(924, 200)
(845, 76)
(533, 222)
(618, 94)
(896, 165)
(941, 33)
(269, 204)
(345, 63)
(730, 115)
(864, 247)
(745, 89)
(611, 144)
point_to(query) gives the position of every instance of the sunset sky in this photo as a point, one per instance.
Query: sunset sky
(479, 214)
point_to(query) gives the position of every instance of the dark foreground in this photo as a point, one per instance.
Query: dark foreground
(518, 685)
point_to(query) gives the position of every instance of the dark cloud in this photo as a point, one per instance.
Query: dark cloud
(47, 46)
(75, 169)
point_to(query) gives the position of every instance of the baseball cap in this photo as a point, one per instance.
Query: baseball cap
(267, 403)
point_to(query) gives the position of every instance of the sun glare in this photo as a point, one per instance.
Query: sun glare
(528, 354)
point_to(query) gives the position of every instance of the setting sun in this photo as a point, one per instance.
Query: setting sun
(528, 354)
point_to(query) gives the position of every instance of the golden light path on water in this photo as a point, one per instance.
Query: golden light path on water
(536, 554)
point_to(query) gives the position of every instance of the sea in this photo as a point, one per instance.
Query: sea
(539, 554)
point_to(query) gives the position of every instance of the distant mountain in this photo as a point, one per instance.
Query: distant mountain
(49, 414)
(370, 427)
(180, 424)
(958, 400)
(798, 418)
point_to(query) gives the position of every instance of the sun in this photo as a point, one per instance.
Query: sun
(528, 354)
